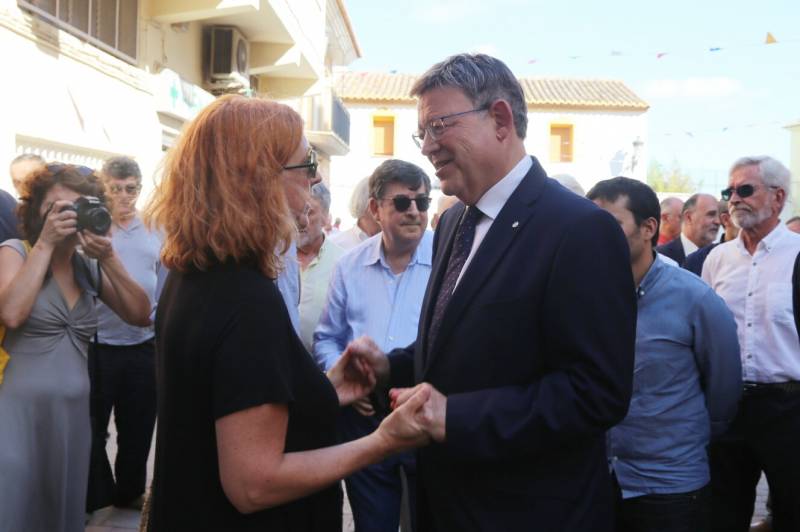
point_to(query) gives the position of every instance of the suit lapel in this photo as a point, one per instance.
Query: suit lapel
(447, 231)
(511, 220)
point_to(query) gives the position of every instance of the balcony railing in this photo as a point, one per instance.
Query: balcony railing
(327, 121)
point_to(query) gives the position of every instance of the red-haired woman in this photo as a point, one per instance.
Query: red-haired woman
(246, 420)
(47, 307)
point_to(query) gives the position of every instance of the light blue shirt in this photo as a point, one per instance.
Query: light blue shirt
(687, 381)
(366, 297)
(288, 283)
(139, 250)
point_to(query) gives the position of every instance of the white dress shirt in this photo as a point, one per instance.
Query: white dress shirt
(689, 247)
(758, 290)
(349, 239)
(492, 202)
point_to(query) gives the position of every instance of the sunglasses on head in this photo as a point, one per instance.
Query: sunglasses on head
(310, 164)
(402, 203)
(743, 191)
(55, 168)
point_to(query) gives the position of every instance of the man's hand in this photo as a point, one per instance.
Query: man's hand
(403, 429)
(352, 378)
(367, 351)
(432, 415)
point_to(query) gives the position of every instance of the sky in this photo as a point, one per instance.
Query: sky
(707, 108)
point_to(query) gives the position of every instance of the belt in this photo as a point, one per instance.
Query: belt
(790, 387)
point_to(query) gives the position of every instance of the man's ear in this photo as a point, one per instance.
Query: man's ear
(503, 116)
(373, 210)
(648, 229)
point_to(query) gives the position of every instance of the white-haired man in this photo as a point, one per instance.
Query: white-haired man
(753, 274)
(365, 226)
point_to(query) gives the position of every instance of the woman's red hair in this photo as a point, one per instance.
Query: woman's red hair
(221, 196)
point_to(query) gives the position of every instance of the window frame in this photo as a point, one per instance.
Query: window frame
(84, 35)
(384, 116)
(571, 128)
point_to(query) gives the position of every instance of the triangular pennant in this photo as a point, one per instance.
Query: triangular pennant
(660, 55)
(770, 39)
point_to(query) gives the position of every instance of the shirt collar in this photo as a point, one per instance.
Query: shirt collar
(651, 276)
(423, 254)
(689, 247)
(767, 243)
(496, 197)
(135, 223)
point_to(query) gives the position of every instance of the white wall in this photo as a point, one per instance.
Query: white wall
(603, 147)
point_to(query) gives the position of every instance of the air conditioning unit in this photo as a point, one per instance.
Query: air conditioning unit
(228, 56)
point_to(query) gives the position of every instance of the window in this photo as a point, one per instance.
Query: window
(383, 135)
(108, 24)
(561, 143)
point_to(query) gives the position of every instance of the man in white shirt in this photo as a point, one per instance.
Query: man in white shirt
(699, 229)
(365, 227)
(753, 274)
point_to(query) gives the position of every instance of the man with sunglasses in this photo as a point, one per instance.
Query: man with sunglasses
(526, 338)
(122, 363)
(376, 290)
(753, 274)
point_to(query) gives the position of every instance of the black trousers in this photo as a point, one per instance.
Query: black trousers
(765, 436)
(672, 512)
(123, 379)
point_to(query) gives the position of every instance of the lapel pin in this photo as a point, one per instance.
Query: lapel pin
(515, 225)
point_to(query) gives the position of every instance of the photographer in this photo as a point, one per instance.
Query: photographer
(47, 307)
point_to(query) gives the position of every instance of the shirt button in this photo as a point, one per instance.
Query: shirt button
(749, 294)
(754, 264)
(749, 324)
(749, 356)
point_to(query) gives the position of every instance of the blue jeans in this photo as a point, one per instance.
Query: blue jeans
(674, 512)
(375, 491)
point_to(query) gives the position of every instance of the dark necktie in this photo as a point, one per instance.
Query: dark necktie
(462, 244)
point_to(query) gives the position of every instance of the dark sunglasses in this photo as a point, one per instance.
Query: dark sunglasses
(311, 164)
(402, 203)
(56, 168)
(130, 189)
(743, 191)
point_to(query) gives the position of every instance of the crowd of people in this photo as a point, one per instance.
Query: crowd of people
(544, 360)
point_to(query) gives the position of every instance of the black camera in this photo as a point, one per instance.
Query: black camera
(92, 214)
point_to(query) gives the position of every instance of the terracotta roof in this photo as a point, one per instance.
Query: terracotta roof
(539, 92)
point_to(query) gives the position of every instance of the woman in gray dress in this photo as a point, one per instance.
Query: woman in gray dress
(47, 307)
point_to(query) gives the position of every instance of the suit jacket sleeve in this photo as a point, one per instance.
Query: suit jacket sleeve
(588, 324)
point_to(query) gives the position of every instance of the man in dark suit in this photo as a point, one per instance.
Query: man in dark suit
(700, 225)
(526, 337)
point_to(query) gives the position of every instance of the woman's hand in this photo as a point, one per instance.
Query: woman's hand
(59, 223)
(352, 378)
(96, 246)
(405, 428)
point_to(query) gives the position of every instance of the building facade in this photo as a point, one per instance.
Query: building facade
(794, 165)
(591, 129)
(87, 79)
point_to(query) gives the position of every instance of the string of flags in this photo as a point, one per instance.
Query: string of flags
(698, 132)
(769, 39)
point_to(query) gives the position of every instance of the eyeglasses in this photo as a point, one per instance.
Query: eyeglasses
(437, 126)
(743, 191)
(402, 203)
(130, 189)
(56, 168)
(311, 164)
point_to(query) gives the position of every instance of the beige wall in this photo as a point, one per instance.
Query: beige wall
(794, 166)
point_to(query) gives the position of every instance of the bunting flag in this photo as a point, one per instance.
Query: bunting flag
(725, 129)
(768, 40)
